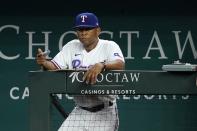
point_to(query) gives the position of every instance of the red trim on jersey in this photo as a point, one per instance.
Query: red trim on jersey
(55, 63)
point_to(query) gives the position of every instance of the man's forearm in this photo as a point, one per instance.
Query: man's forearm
(115, 65)
(48, 65)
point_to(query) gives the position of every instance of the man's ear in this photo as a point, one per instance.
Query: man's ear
(98, 31)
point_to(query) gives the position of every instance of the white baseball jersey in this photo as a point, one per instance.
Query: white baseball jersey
(74, 56)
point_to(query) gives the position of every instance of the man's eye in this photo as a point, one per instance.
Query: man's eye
(85, 29)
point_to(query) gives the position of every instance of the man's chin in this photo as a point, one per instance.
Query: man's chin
(84, 41)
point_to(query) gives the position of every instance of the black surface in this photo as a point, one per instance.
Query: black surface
(101, 7)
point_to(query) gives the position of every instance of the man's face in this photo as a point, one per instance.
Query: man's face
(88, 36)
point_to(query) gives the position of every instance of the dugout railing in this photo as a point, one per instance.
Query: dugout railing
(44, 83)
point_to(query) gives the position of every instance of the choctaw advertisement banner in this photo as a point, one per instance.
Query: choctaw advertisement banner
(147, 42)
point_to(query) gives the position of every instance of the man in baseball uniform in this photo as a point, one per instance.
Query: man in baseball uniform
(92, 112)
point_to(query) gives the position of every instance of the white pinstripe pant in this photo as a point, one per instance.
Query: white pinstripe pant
(82, 120)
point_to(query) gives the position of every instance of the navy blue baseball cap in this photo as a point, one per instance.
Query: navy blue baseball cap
(86, 20)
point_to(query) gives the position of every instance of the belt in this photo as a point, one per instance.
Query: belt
(96, 108)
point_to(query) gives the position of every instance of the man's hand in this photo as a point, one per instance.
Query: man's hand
(40, 57)
(91, 75)
(42, 60)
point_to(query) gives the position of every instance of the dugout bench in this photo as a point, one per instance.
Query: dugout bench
(44, 83)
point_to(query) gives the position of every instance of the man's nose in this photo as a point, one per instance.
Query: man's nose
(83, 32)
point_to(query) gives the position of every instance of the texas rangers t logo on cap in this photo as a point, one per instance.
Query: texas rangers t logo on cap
(83, 18)
(86, 20)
